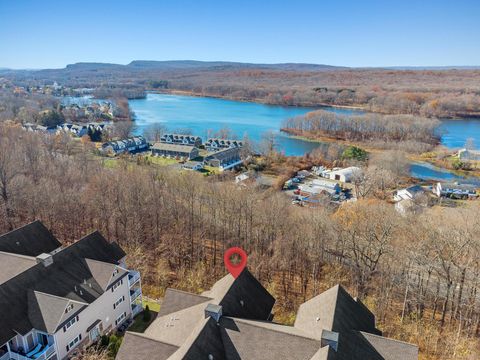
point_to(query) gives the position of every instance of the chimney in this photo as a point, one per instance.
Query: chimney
(330, 338)
(45, 259)
(213, 311)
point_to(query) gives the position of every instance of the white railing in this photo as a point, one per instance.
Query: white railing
(133, 277)
(6, 356)
(135, 294)
(45, 355)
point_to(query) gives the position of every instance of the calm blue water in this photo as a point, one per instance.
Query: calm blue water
(426, 171)
(204, 116)
(456, 132)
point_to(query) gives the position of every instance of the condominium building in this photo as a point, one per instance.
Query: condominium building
(55, 300)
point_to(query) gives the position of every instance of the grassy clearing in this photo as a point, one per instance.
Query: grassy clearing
(161, 161)
(152, 305)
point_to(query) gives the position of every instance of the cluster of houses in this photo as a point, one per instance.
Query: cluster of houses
(310, 185)
(222, 153)
(413, 198)
(55, 300)
(92, 111)
(76, 130)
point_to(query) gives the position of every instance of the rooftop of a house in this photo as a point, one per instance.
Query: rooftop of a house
(172, 147)
(39, 279)
(233, 320)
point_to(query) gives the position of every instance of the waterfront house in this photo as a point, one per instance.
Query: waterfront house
(186, 152)
(224, 159)
(180, 139)
(344, 175)
(234, 321)
(55, 300)
(215, 144)
(455, 190)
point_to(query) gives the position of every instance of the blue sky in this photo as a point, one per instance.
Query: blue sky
(51, 34)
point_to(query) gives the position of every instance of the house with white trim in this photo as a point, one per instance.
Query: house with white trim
(55, 300)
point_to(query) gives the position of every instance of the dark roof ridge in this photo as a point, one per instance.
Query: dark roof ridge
(21, 227)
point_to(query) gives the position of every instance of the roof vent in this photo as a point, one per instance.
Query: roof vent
(330, 338)
(213, 311)
(45, 259)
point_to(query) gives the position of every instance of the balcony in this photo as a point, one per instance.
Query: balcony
(133, 277)
(136, 309)
(135, 293)
(43, 354)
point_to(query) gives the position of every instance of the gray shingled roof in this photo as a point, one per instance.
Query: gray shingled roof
(12, 265)
(245, 332)
(30, 240)
(139, 346)
(69, 277)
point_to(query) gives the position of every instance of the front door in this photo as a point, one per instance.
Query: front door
(94, 334)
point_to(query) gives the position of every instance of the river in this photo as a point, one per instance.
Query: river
(204, 116)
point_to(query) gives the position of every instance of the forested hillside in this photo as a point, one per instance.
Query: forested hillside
(441, 93)
(419, 274)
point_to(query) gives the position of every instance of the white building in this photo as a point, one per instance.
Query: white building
(409, 193)
(469, 155)
(455, 190)
(345, 175)
(55, 300)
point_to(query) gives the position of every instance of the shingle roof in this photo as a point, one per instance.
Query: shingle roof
(173, 147)
(30, 240)
(68, 277)
(12, 265)
(138, 346)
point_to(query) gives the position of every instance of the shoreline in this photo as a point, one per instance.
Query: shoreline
(317, 106)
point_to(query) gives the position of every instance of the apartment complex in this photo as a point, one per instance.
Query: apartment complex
(55, 300)
(234, 321)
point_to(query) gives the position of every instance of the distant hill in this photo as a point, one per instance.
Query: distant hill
(140, 65)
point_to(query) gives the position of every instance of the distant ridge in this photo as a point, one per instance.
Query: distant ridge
(195, 64)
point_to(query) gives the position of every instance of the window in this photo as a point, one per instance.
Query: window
(118, 302)
(120, 318)
(70, 323)
(115, 272)
(117, 284)
(68, 308)
(74, 342)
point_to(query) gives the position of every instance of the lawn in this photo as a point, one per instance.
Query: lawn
(158, 160)
(139, 323)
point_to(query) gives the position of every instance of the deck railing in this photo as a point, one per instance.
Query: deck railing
(133, 277)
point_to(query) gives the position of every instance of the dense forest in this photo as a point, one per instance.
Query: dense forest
(419, 274)
(440, 93)
(409, 131)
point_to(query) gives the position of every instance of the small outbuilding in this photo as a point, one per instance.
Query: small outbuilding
(345, 175)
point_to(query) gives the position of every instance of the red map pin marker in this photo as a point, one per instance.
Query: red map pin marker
(235, 269)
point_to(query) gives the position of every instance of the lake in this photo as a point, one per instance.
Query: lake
(203, 116)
